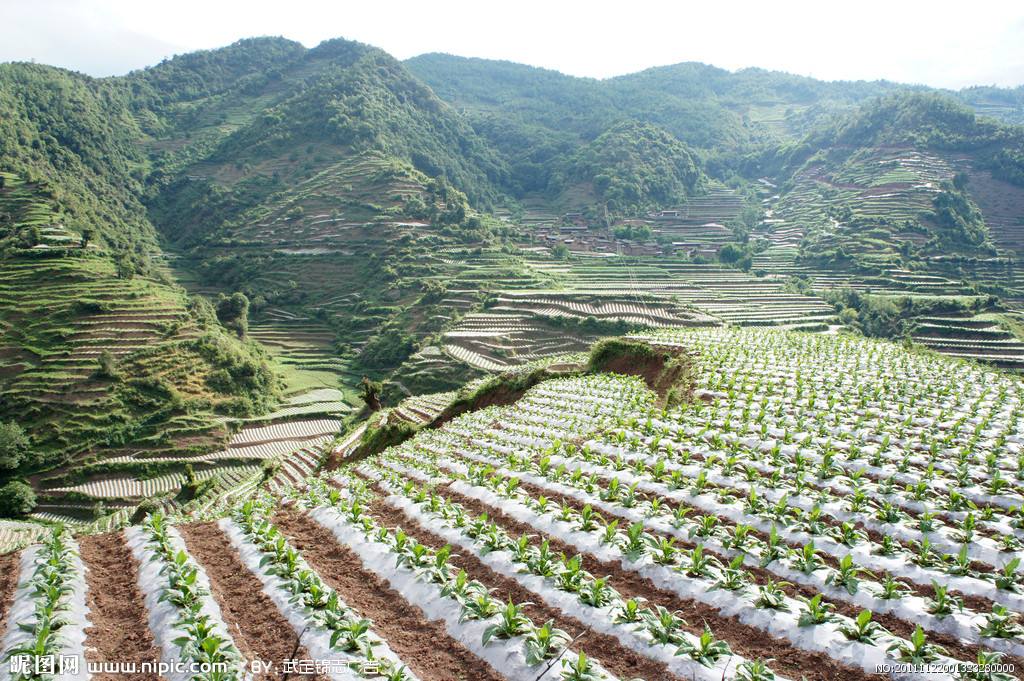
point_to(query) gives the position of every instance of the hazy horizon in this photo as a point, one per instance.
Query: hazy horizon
(916, 43)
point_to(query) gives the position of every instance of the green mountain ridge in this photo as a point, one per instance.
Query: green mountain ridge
(380, 212)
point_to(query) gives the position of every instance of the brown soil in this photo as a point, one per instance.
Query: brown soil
(745, 640)
(898, 626)
(424, 645)
(120, 627)
(663, 369)
(10, 569)
(620, 660)
(260, 631)
(977, 603)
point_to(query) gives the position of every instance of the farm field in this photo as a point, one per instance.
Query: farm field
(820, 505)
(453, 368)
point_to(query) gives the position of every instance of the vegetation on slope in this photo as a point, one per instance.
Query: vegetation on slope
(76, 136)
(929, 121)
(95, 357)
(637, 166)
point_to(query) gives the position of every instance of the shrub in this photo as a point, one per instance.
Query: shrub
(144, 509)
(387, 349)
(107, 366)
(16, 499)
(233, 312)
(13, 445)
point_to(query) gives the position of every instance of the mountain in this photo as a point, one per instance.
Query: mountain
(276, 114)
(78, 136)
(536, 115)
(188, 245)
(636, 166)
(101, 349)
(908, 177)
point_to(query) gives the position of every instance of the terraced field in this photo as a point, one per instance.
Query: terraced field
(527, 323)
(887, 188)
(823, 505)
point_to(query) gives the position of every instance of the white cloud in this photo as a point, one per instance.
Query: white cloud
(939, 43)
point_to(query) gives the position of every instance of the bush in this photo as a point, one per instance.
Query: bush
(233, 312)
(16, 499)
(144, 509)
(387, 349)
(269, 468)
(107, 366)
(370, 392)
(376, 439)
(13, 445)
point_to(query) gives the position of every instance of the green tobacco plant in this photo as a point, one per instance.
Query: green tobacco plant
(544, 642)
(512, 622)
(862, 629)
(707, 650)
(917, 650)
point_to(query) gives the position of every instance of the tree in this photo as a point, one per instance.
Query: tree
(13, 445)
(87, 235)
(960, 181)
(31, 237)
(560, 252)
(125, 266)
(730, 253)
(108, 365)
(233, 312)
(16, 499)
(370, 392)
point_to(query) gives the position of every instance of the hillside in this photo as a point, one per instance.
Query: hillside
(227, 243)
(634, 167)
(776, 525)
(114, 374)
(453, 368)
(537, 118)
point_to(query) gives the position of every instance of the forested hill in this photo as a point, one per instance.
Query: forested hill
(78, 136)
(230, 127)
(100, 349)
(537, 117)
(928, 121)
(364, 208)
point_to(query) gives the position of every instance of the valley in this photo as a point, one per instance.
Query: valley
(451, 366)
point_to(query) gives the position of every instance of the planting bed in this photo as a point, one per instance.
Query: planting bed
(823, 505)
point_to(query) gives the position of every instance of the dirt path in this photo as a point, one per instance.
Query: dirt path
(258, 627)
(120, 627)
(424, 645)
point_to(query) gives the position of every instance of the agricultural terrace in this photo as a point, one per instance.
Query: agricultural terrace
(822, 505)
(120, 379)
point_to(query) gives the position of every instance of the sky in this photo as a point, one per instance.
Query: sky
(937, 42)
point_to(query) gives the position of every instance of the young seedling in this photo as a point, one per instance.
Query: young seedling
(816, 612)
(544, 642)
(862, 629)
(917, 650)
(707, 650)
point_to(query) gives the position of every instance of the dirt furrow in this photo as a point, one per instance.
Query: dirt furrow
(424, 645)
(622, 661)
(10, 569)
(260, 631)
(898, 626)
(745, 640)
(117, 612)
